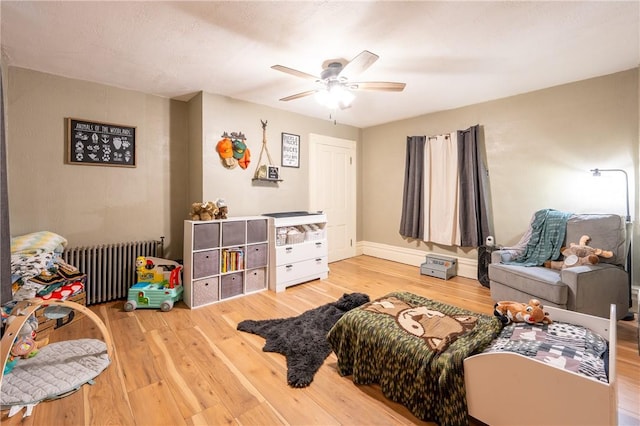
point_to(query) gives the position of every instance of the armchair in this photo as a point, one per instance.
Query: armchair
(589, 289)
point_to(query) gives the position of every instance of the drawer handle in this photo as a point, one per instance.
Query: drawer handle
(319, 260)
(288, 267)
(319, 244)
(288, 249)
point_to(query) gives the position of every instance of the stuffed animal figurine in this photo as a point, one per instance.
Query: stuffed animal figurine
(25, 344)
(221, 209)
(203, 211)
(531, 313)
(579, 254)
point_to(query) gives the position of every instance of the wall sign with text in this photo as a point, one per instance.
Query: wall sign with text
(290, 150)
(100, 144)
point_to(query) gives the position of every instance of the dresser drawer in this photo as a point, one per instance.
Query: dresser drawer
(205, 291)
(298, 252)
(299, 270)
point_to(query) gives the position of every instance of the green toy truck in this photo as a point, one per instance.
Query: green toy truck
(159, 285)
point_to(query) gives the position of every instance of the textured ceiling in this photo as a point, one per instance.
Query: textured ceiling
(450, 53)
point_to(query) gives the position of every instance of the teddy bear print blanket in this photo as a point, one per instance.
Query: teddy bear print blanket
(414, 348)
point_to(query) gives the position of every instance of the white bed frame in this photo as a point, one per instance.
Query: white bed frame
(507, 388)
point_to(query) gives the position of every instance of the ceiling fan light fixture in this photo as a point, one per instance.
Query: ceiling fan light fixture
(333, 88)
(335, 96)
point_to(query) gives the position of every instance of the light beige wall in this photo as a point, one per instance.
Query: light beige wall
(539, 148)
(195, 149)
(243, 196)
(176, 161)
(94, 204)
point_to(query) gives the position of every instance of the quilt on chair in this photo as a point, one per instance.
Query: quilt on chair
(414, 348)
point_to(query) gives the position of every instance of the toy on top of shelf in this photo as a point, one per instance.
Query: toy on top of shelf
(159, 284)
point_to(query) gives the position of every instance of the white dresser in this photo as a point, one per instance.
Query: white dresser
(295, 258)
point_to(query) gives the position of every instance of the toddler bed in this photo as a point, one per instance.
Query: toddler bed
(429, 356)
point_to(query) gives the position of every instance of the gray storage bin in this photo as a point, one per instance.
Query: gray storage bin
(206, 263)
(256, 279)
(205, 291)
(231, 285)
(206, 235)
(257, 255)
(257, 230)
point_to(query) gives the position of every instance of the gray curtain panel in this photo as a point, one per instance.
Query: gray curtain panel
(473, 208)
(5, 247)
(412, 219)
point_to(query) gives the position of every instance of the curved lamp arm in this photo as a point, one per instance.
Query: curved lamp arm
(596, 172)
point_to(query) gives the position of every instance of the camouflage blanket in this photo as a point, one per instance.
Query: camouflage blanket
(414, 348)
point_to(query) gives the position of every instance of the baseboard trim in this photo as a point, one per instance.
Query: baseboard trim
(467, 267)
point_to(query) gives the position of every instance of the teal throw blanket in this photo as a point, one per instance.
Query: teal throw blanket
(547, 236)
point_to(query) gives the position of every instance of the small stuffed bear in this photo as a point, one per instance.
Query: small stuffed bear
(221, 209)
(203, 211)
(531, 313)
(579, 254)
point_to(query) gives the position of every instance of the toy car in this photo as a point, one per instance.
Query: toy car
(159, 285)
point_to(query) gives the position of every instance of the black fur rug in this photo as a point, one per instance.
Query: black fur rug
(303, 339)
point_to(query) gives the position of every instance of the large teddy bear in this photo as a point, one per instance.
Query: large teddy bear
(203, 211)
(579, 254)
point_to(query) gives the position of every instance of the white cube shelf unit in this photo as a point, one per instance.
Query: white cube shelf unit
(296, 258)
(225, 258)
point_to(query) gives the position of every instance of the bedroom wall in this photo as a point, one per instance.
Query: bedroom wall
(539, 148)
(94, 204)
(245, 197)
(176, 161)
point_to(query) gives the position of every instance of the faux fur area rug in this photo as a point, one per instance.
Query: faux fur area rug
(303, 339)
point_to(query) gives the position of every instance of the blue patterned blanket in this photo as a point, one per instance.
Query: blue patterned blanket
(548, 230)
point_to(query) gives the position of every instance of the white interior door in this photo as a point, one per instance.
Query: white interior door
(332, 189)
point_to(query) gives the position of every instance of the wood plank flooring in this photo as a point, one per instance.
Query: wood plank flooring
(192, 367)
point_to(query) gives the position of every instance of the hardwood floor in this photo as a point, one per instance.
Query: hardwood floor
(192, 367)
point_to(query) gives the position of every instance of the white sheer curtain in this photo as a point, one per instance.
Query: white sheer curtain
(440, 190)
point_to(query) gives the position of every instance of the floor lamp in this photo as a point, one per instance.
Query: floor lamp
(629, 229)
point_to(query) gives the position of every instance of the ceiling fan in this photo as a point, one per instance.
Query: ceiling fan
(333, 87)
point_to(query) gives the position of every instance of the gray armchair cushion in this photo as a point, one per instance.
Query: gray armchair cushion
(542, 282)
(607, 232)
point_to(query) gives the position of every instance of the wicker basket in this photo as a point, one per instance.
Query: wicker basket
(296, 238)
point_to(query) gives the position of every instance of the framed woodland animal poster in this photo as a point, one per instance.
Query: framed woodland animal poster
(100, 144)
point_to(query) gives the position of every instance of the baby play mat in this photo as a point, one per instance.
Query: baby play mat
(56, 370)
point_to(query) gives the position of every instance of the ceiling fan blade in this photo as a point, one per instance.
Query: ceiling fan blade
(387, 86)
(295, 72)
(299, 95)
(358, 64)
